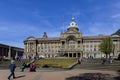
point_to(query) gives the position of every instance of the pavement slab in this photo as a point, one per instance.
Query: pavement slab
(51, 75)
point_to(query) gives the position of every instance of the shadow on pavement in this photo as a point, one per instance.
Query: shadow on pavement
(20, 76)
(93, 76)
(118, 77)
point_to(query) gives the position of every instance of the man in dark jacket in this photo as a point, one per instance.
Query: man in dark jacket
(12, 67)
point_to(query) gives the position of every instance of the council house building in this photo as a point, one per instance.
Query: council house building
(70, 44)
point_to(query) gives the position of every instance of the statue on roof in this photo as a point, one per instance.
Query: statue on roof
(44, 35)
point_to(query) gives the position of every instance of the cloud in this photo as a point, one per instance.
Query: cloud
(100, 28)
(17, 29)
(2, 28)
(45, 20)
(117, 4)
(94, 28)
(54, 34)
(38, 14)
(74, 13)
(14, 34)
(116, 15)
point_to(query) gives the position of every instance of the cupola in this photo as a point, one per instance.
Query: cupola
(73, 27)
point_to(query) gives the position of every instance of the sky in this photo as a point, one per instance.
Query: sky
(20, 19)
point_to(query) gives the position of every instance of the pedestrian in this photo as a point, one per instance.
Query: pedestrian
(104, 60)
(23, 67)
(79, 60)
(12, 67)
(30, 68)
(18, 58)
(110, 60)
(91, 59)
(33, 67)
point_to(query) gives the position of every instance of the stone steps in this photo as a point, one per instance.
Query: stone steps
(97, 64)
(5, 64)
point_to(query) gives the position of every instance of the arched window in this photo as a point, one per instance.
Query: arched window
(71, 40)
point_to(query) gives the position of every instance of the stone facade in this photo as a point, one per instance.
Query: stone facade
(70, 44)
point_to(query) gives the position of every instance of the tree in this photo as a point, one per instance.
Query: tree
(106, 46)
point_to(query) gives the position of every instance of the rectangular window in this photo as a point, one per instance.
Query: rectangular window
(94, 49)
(90, 46)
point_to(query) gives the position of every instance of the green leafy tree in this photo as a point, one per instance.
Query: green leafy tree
(106, 46)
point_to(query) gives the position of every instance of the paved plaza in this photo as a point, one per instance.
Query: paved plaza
(64, 74)
(51, 74)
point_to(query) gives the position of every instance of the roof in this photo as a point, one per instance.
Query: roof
(96, 37)
(6, 45)
(117, 32)
(30, 37)
(52, 38)
(84, 37)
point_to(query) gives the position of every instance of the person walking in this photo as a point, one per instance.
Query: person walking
(23, 67)
(110, 60)
(104, 60)
(12, 67)
(79, 60)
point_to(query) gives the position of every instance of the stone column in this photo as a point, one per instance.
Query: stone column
(76, 55)
(72, 55)
(9, 52)
(68, 55)
(6, 52)
(2, 52)
(16, 54)
(26, 48)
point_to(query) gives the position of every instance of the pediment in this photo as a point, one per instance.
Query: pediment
(31, 38)
(115, 36)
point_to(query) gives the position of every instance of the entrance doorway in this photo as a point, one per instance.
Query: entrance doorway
(79, 55)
